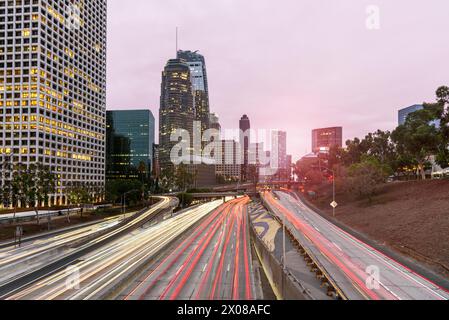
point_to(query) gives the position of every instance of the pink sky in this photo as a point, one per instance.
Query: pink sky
(293, 65)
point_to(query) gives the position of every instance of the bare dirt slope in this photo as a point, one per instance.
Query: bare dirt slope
(411, 217)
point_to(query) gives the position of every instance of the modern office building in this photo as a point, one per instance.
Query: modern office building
(228, 167)
(176, 107)
(404, 113)
(279, 153)
(129, 144)
(244, 140)
(323, 139)
(53, 89)
(200, 87)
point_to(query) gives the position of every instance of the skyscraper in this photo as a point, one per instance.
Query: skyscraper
(245, 138)
(53, 88)
(279, 152)
(176, 106)
(129, 144)
(200, 90)
(324, 139)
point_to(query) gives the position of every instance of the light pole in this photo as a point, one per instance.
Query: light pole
(124, 201)
(334, 203)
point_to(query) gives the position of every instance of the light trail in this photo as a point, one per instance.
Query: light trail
(101, 270)
(195, 268)
(352, 256)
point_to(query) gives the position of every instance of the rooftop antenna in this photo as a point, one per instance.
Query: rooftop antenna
(176, 42)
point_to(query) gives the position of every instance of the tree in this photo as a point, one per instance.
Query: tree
(142, 169)
(167, 181)
(380, 146)
(365, 177)
(78, 195)
(183, 177)
(45, 184)
(314, 178)
(116, 188)
(417, 139)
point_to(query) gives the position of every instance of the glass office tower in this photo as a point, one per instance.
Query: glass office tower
(129, 144)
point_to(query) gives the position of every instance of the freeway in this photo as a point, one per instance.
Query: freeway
(41, 258)
(359, 271)
(16, 260)
(95, 275)
(213, 262)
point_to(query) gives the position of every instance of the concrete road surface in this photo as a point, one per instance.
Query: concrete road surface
(360, 271)
(98, 273)
(214, 262)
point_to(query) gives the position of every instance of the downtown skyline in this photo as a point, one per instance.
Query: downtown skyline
(355, 77)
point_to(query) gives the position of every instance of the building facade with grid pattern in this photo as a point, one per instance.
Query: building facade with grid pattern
(53, 88)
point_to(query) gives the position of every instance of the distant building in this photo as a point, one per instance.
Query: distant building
(129, 144)
(156, 168)
(265, 171)
(404, 113)
(244, 140)
(325, 138)
(204, 175)
(289, 167)
(228, 167)
(279, 148)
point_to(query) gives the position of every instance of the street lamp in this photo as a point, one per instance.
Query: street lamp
(124, 201)
(334, 203)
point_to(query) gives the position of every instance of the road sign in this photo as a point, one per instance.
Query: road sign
(334, 204)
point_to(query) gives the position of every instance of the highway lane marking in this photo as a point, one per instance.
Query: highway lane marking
(337, 246)
(381, 257)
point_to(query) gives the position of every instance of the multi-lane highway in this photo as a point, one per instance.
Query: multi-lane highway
(37, 259)
(97, 274)
(359, 271)
(213, 262)
(16, 260)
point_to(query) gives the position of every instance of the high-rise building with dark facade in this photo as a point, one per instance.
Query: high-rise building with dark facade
(279, 153)
(244, 140)
(53, 89)
(176, 107)
(200, 89)
(129, 144)
(323, 139)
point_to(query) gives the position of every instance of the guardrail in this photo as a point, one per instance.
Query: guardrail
(283, 283)
(42, 215)
(315, 266)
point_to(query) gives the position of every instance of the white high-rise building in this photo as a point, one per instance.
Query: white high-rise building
(53, 88)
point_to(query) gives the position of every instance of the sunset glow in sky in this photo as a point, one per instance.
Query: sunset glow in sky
(293, 65)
